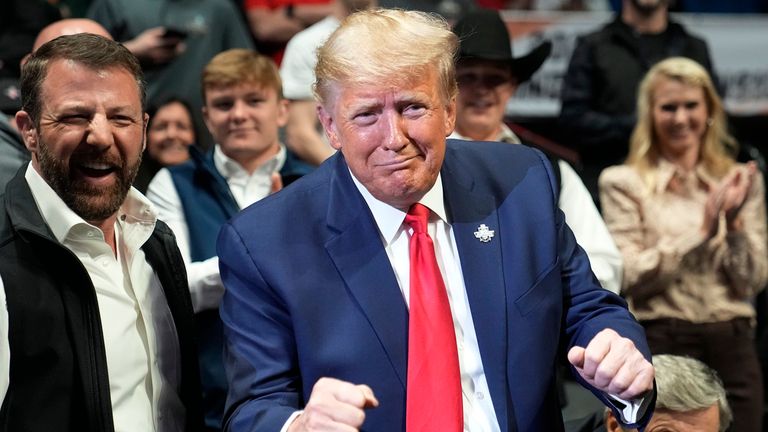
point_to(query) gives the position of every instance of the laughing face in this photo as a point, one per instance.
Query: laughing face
(88, 142)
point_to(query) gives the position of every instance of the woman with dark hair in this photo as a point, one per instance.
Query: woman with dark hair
(170, 132)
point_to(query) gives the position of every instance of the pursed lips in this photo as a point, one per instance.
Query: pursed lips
(397, 163)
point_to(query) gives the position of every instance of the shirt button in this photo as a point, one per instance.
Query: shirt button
(480, 395)
(90, 234)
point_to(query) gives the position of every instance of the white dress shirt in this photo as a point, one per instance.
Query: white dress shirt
(584, 219)
(205, 284)
(142, 350)
(479, 414)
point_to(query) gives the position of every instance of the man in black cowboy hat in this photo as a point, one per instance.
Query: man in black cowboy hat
(488, 76)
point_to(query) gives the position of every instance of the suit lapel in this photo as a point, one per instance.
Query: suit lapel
(365, 267)
(468, 208)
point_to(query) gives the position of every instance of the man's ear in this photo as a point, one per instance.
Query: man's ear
(204, 110)
(28, 130)
(611, 423)
(329, 126)
(450, 116)
(282, 112)
(144, 134)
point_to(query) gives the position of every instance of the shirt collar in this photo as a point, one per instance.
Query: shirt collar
(505, 135)
(667, 171)
(229, 168)
(389, 219)
(61, 219)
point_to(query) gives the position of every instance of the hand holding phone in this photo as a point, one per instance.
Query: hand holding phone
(171, 32)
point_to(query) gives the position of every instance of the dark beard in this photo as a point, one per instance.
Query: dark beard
(646, 10)
(89, 202)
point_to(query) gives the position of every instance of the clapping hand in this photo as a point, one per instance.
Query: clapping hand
(728, 198)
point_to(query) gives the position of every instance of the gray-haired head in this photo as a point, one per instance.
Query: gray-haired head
(686, 384)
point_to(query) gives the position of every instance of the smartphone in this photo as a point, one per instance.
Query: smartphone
(171, 32)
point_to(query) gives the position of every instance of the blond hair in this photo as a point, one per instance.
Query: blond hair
(717, 142)
(389, 46)
(241, 66)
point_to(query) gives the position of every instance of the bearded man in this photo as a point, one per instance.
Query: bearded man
(99, 314)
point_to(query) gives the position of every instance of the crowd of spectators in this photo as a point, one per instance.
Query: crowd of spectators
(669, 218)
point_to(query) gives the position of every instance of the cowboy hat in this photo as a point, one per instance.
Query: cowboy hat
(483, 35)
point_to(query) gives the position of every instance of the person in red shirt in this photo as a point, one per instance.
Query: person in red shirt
(274, 22)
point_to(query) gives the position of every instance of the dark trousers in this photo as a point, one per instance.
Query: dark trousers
(728, 348)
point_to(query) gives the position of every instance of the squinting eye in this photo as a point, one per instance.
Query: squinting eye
(74, 119)
(414, 109)
(123, 121)
(364, 118)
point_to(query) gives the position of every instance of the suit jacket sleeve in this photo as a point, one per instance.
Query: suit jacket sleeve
(590, 309)
(269, 393)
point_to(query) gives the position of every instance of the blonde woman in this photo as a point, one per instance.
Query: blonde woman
(690, 223)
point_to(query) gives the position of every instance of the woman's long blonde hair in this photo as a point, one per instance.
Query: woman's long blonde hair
(718, 145)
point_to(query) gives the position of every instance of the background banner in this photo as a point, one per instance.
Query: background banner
(738, 45)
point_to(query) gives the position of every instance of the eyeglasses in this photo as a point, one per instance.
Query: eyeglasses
(492, 80)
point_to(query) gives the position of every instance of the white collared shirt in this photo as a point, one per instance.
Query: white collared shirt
(205, 284)
(479, 414)
(142, 349)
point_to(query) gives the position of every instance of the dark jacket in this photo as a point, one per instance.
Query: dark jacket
(59, 379)
(13, 153)
(600, 88)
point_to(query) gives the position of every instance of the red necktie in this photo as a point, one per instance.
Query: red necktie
(434, 401)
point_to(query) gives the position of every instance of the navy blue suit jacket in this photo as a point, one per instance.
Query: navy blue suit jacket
(311, 292)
